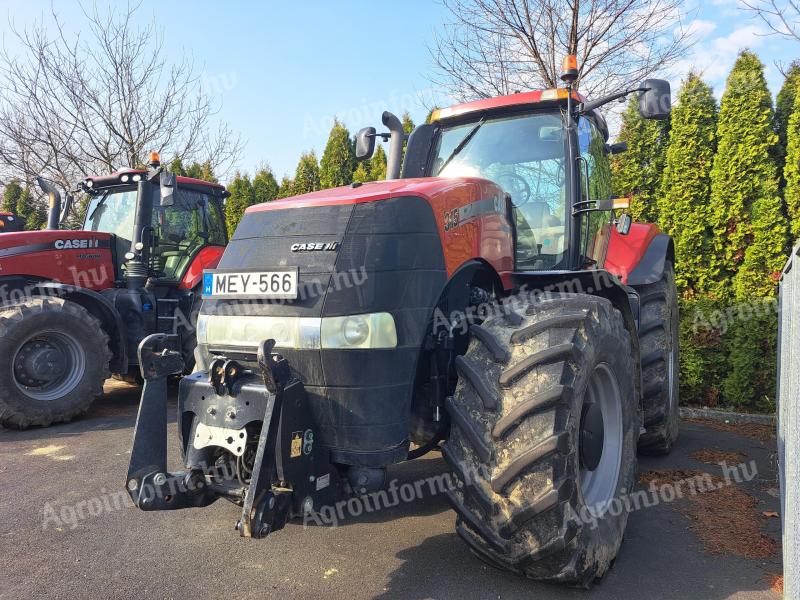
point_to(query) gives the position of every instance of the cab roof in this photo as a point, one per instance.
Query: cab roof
(519, 99)
(114, 179)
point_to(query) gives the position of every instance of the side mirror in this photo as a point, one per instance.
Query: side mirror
(365, 143)
(624, 224)
(617, 148)
(166, 182)
(655, 102)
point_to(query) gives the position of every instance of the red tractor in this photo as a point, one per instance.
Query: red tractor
(490, 300)
(74, 305)
(10, 222)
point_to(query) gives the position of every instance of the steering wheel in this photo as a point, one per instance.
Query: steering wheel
(516, 186)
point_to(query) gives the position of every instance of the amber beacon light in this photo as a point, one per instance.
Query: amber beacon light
(569, 68)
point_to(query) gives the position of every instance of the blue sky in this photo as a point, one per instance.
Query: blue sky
(283, 70)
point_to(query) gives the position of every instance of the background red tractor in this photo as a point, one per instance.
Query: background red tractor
(506, 312)
(76, 304)
(10, 222)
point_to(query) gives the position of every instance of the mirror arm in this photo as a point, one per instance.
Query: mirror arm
(586, 107)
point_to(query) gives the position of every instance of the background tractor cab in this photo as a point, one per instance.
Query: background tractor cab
(10, 222)
(185, 217)
(88, 297)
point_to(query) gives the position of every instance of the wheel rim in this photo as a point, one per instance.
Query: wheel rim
(48, 365)
(670, 376)
(600, 460)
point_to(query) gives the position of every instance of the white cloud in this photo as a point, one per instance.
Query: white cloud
(713, 57)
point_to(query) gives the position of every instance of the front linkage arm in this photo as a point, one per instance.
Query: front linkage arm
(150, 485)
(292, 473)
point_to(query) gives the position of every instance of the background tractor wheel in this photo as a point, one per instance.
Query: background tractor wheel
(658, 347)
(543, 442)
(55, 358)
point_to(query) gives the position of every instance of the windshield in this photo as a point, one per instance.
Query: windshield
(179, 231)
(525, 155)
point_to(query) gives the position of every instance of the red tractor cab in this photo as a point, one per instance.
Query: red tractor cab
(10, 222)
(76, 304)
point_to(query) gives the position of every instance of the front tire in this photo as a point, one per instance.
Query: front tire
(658, 347)
(525, 441)
(56, 359)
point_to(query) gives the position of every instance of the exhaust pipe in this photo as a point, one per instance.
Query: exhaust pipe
(398, 137)
(137, 258)
(54, 203)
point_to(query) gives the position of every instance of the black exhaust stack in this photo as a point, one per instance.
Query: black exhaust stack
(138, 256)
(54, 203)
(398, 137)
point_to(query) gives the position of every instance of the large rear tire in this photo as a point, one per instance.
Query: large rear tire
(658, 347)
(545, 422)
(56, 359)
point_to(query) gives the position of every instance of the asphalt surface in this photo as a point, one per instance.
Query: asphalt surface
(50, 476)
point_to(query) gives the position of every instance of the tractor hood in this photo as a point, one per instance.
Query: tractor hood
(24, 242)
(81, 258)
(427, 188)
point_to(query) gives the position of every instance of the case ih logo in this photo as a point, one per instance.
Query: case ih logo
(68, 244)
(316, 247)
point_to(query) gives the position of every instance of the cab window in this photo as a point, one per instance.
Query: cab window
(524, 155)
(595, 171)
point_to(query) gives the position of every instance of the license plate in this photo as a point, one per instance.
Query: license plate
(275, 283)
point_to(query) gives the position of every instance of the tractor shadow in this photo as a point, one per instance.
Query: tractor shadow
(660, 558)
(414, 489)
(443, 567)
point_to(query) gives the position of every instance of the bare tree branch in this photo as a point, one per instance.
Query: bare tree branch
(496, 47)
(93, 104)
(782, 18)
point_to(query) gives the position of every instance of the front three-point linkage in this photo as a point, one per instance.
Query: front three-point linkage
(149, 483)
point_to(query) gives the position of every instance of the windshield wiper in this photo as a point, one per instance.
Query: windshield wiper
(464, 141)
(99, 204)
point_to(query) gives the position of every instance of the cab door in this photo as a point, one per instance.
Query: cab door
(595, 175)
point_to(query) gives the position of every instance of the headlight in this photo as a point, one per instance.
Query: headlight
(375, 330)
(124, 178)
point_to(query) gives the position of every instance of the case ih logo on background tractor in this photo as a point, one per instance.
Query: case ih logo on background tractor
(538, 406)
(76, 304)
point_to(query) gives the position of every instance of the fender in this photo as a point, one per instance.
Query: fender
(206, 258)
(101, 308)
(638, 258)
(475, 272)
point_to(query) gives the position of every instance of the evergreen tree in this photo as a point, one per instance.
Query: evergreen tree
(408, 123)
(377, 165)
(265, 187)
(206, 172)
(241, 196)
(286, 187)
(408, 127)
(686, 184)
(637, 172)
(11, 195)
(176, 166)
(306, 177)
(338, 162)
(34, 213)
(791, 172)
(749, 227)
(362, 173)
(784, 107)
(430, 114)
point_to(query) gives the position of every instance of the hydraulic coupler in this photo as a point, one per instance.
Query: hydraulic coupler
(291, 473)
